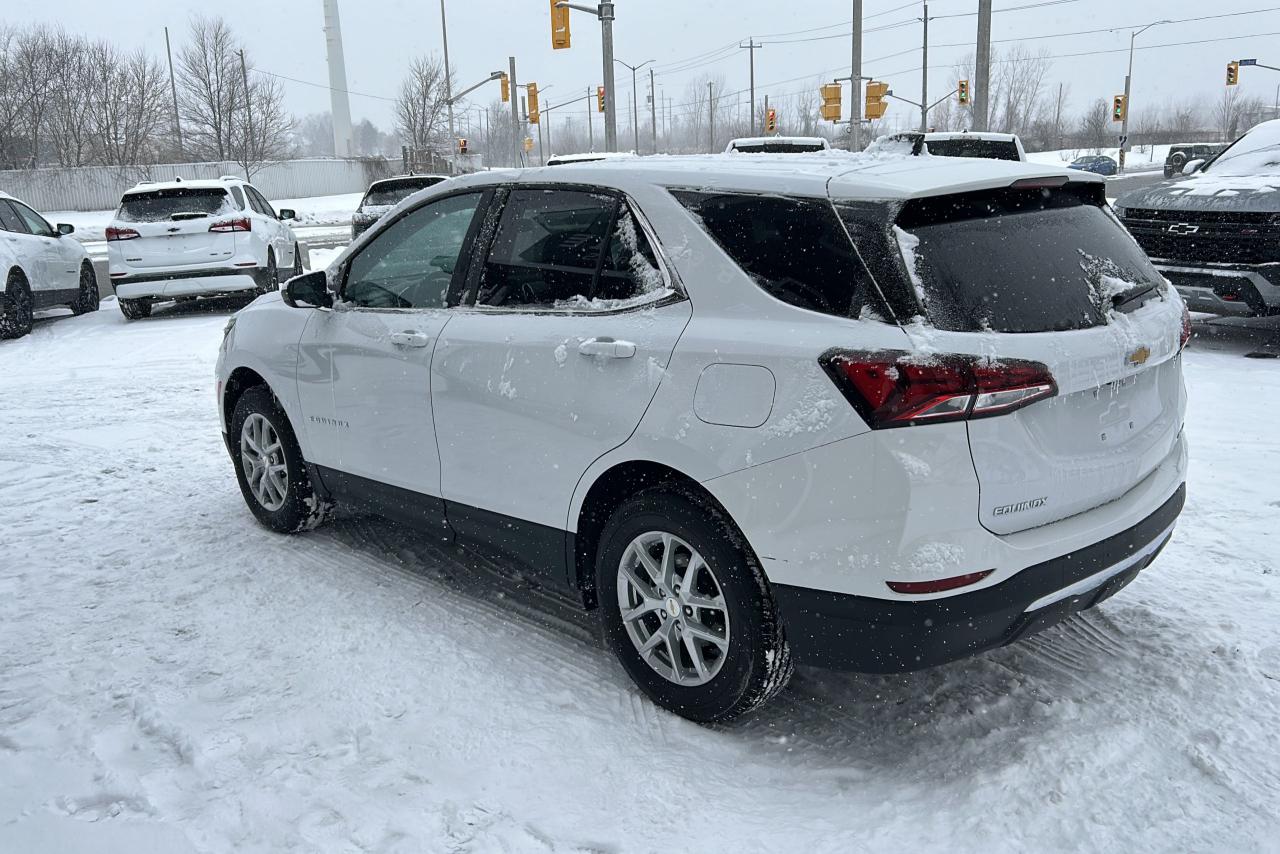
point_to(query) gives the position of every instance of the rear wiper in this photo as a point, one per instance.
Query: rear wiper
(1121, 300)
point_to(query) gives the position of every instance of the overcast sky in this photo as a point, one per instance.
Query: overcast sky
(380, 36)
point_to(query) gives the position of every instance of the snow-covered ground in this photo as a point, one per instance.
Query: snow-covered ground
(1139, 159)
(174, 678)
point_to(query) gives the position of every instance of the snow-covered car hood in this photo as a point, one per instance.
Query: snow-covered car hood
(1209, 192)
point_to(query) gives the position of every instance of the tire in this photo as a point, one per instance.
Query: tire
(287, 507)
(16, 319)
(297, 262)
(87, 300)
(754, 662)
(135, 309)
(269, 279)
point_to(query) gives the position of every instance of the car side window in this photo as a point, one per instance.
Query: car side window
(262, 205)
(548, 248)
(36, 224)
(412, 263)
(238, 196)
(10, 220)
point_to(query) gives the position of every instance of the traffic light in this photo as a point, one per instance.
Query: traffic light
(534, 114)
(600, 99)
(831, 102)
(875, 106)
(962, 90)
(462, 146)
(1118, 108)
(559, 26)
(1233, 73)
(506, 89)
(771, 120)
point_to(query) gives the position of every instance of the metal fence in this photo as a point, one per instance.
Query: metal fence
(98, 188)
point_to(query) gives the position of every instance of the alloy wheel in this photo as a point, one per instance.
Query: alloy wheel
(262, 455)
(673, 609)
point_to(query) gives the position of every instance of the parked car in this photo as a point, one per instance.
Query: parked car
(43, 268)
(777, 145)
(385, 194)
(1099, 164)
(755, 410)
(1216, 235)
(982, 144)
(1182, 153)
(209, 237)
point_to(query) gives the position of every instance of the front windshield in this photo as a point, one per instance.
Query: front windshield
(1255, 153)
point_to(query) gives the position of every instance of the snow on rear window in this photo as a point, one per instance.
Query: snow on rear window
(174, 204)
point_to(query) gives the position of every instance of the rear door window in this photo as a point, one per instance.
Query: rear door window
(991, 149)
(1021, 260)
(178, 203)
(10, 220)
(794, 249)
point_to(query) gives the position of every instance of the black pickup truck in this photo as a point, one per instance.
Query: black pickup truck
(1216, 235)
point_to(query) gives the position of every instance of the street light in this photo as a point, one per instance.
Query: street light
(1128, 79)
(635, 123)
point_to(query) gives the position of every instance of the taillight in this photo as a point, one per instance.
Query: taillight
(892, 388)
(241, 224)
(1186, 328)
(117, 233)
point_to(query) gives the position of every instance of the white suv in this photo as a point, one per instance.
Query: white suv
(42, 267)
(854, 411)
(182, 239)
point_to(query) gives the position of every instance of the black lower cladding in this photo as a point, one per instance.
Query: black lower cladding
(869, 635)
(54, 298)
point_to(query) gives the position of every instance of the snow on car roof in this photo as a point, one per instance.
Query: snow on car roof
(969, 134)
(775, 140)
(590, 157)
(396, 179)
(881, 175)
(195, 183)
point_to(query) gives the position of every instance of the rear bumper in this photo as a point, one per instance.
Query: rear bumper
(871, 635)
(1240, 291)
(170, 285)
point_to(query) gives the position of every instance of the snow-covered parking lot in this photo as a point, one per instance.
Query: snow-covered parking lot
(174, 678)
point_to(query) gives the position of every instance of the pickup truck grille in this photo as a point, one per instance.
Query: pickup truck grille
(1206, 237)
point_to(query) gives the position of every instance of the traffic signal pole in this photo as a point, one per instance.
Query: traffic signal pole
(751, 47)
(1128, 82)
(982, 67)
(606, 15)
(855, 106)
(924, 73)
(517, 138)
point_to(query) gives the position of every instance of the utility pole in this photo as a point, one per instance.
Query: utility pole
(924, 74)
(339, 103)
(173, 88)
(1128, 79)
(448, 83)
(605, 13)
(635, 108)
(517, 138)
(982, 71)
(653, 111)
(711, 117)
(248, 112)
(751, 47)
(855, 101)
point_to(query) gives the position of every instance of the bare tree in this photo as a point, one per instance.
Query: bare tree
(1235, 113)
(1094, 124)
(130, 113)
(69, 126)
(422, 107)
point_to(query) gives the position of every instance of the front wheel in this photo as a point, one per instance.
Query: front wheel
(87, 298)
(687, 609)
(269, 467)
(135, 309)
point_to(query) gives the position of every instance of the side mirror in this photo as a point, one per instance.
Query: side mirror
(310, 290)
(288, 213)
(65, 228)
(1193, 166)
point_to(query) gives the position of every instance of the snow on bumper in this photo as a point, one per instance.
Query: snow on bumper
(194, 286)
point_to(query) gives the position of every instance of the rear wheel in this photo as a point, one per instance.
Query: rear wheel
(15, 321)
(269, 279)
(135, 309)
(687, 609)
(87, 299)
(273, 476)
(297, 261)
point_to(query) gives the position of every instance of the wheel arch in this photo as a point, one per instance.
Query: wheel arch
(607, 493)
(238, 382)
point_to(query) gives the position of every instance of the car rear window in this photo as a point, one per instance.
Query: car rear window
(991, 149)
(381, 195)
(174, 204)
(777, 147)
(1021, 260)
(795, 249)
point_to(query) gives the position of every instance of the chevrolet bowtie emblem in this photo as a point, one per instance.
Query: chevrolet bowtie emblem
(1139, 356)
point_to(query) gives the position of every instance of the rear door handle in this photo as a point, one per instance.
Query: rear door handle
(607, 347)
(410, 338)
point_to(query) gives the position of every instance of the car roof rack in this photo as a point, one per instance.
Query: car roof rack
(228, 178)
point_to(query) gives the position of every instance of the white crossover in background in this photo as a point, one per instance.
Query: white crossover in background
(870, 412)
(43, 267)
(182, 239)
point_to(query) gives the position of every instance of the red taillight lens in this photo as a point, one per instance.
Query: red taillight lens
(891, 388)
(242, 224)
(1186, 328)
(937, 585)
(116, 233)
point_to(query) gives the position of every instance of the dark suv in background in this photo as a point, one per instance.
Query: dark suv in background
(1216, 235)
(384, 195)
(1182, 153)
